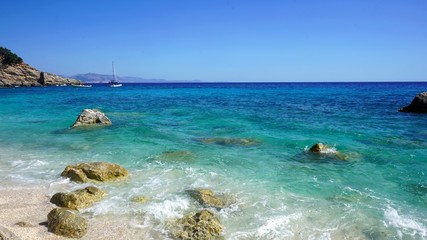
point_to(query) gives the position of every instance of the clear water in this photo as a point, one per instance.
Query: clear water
(380, 192)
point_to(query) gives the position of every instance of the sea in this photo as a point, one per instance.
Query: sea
(175, 137)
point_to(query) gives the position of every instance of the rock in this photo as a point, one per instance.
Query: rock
(24, 224)
(24, 75)
(78, 199)
(207, 198)
(140, 199)
(65, 222)
(418, 104)
(96, 171)
(6, 234)
(202, 225)
(50, 79)
(231, 141)
(318, 148)
(323, 149)
(90, 117)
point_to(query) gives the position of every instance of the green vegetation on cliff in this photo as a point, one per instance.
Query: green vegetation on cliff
(7, 57)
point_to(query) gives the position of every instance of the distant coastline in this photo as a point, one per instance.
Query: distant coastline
(147, 81)
(105, 78)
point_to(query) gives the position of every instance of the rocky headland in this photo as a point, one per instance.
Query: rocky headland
(15, 73)
(418, 104)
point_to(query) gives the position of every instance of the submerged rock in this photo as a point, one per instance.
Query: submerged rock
(97, 171)
(231, 141)
(202, 225)
(65, 222)
(90, 117)
(323, 149)
(177, 155)
(140, 199)
(418, 104)
(78, 199)
(207, 198)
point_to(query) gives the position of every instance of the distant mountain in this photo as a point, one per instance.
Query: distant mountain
(105, 78)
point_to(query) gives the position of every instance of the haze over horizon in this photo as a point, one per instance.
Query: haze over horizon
(223, 40)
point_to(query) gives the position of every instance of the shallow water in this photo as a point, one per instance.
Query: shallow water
(282, 192)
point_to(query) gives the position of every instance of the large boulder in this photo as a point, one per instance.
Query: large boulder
(207, 198)
(230, 141)
(92, 117)
(96, 171)
(418, 104)
(78, 199)
(65, 222)
(202, 225)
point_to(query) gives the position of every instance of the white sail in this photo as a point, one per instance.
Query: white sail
(114, 83)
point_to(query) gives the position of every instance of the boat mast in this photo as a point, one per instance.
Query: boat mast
(114, 73)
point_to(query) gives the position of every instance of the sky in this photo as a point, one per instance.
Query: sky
(222, 40)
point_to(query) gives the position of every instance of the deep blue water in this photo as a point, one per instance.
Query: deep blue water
(282, 191)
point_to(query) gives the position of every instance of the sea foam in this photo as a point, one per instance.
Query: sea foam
(404, 223)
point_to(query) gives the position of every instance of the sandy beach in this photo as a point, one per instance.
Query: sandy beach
(31, 206)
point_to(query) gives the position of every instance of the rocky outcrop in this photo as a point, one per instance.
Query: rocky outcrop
(49, 79)
(78, 199)
(65, 222)
(231, 141)
(95, 171)
(418, 104)
(23, 75)
(90, 117)
(202, 225)
(207, 198)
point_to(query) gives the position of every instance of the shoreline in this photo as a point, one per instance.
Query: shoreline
(31, 206)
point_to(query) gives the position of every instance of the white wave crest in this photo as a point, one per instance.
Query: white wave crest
(327, 150)
(168, 208)
(276, 227)
(404, 224)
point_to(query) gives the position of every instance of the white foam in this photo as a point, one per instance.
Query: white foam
(60, 185)
(113, 205)
(404, 224)
(39, 163)
(328, 150)
(173, 208)
(331, 150)
(17, 163)
(276, 227)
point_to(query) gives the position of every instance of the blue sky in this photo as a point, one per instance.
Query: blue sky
(223, 40)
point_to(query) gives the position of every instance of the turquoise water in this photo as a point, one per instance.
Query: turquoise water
(282, 192)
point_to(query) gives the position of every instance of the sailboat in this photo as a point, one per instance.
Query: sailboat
(114, 83)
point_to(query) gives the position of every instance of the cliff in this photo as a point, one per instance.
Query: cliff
(24, 75)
